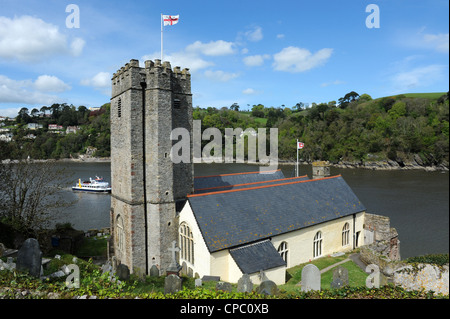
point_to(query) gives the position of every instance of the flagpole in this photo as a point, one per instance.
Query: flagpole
(161, 37)
(296, 167)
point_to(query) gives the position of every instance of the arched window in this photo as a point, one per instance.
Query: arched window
(346, 235)
(186, 243)
(317, 245)
(119, 108)
(283, 251)
(120, 233)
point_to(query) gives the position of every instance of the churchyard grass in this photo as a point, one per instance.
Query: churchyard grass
(357, 277)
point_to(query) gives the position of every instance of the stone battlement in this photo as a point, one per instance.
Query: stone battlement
(153, 74)
(151, 66)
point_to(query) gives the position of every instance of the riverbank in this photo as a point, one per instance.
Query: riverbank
(385, 165)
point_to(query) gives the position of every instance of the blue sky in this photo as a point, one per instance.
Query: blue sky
(247, 52)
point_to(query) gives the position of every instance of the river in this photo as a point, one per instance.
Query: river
(416, 201)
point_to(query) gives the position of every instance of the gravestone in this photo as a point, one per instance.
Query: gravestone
(154, 271)
(310, 278)
(340, 277)
(245, 284)
(106, 267)
(198, 282)
(123, 272)
(267, 287)
(172, 284)
(174, 267)
(29, 257)
(225, 286)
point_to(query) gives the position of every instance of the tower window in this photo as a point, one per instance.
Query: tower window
(119, 108)
(176, 104)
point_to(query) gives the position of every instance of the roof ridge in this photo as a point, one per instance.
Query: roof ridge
(264, 186)
(242, 173)
(252, 183)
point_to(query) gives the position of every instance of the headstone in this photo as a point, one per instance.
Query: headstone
(267, 287)
(198, 282)
(29, 257)
(123, 272)
(106, 267)
(174, 267)
(172, 284)
(2, 249)
(225, 286)
(310, 278)
(340, 277)
(211, 278)
(154, 271)
(245, 284)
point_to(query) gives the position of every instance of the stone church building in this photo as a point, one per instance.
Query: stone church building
(225, 225)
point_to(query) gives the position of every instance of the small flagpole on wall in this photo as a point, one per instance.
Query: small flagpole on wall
(161, 37)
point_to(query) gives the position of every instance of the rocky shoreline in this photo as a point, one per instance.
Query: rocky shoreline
(415, 164)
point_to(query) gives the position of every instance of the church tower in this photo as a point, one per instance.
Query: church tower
(147, 187)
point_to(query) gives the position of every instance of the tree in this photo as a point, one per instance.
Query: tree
(23, 117)
(347, 99)
(30, 193)
(234, 107)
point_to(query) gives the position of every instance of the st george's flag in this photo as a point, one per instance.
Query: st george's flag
(170, 20)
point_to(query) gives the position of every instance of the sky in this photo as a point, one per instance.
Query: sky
(275, 53)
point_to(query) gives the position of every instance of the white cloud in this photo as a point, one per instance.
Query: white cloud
(439, 42)
(31, 39)
(77, 46)
(50, 83)
(24, 91)
(255, 60)
(213, 48)
(294, 59)
(254, 35)
(337, 82)
(220, 76)
(250, 91)
(280, 36)
(100, 80)
(182, 59)
(418, 77)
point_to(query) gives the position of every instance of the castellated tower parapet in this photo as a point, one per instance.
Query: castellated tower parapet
(146, 105)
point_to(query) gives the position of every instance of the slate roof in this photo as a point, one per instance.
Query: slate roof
(237, 217)
(255, 257)
(248, 185)
(207, 182)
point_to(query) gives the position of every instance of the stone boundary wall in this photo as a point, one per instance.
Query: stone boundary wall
(423, 276)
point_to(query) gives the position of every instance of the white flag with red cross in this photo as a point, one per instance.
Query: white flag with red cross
(170, 20)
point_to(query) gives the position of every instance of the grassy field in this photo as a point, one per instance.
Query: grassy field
(432, 96)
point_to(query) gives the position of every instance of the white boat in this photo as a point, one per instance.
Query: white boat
(96, 185)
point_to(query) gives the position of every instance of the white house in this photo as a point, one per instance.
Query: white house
(248, 222)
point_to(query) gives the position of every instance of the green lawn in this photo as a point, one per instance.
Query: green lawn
(357, 277)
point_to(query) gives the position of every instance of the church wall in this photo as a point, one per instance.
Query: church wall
(300, 242)
(202, 258)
